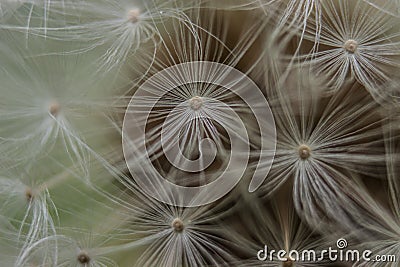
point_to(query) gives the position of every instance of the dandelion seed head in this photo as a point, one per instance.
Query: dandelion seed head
(54, 108)
(177, 225)
(351, 46)
(83, 257)
(304, 152)
(133, 15)
(196, 102)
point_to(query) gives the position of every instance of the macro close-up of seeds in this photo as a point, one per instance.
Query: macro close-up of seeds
(191, 133)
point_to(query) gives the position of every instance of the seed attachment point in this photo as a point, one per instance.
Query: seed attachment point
(288, 263)
(351, 46)
(29, 195)
(177, 225)
(54, 108)
(304, 152)
(196, 102)
(83, 257)
(133, 15)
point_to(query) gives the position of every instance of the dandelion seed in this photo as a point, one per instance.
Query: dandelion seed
(69, 252)
(357, 41)
(87, 243)
(182, 130)
(117, 28)
(44, 105)
(320, 139)
(194, 112)
(32, 208)
(172, 236)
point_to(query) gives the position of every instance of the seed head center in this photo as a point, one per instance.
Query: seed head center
(196, 102)
(177, 225)
(133, 15)
(351, 46)
(288, 263)
(304, 152)
(54, 108)
(83, 257)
